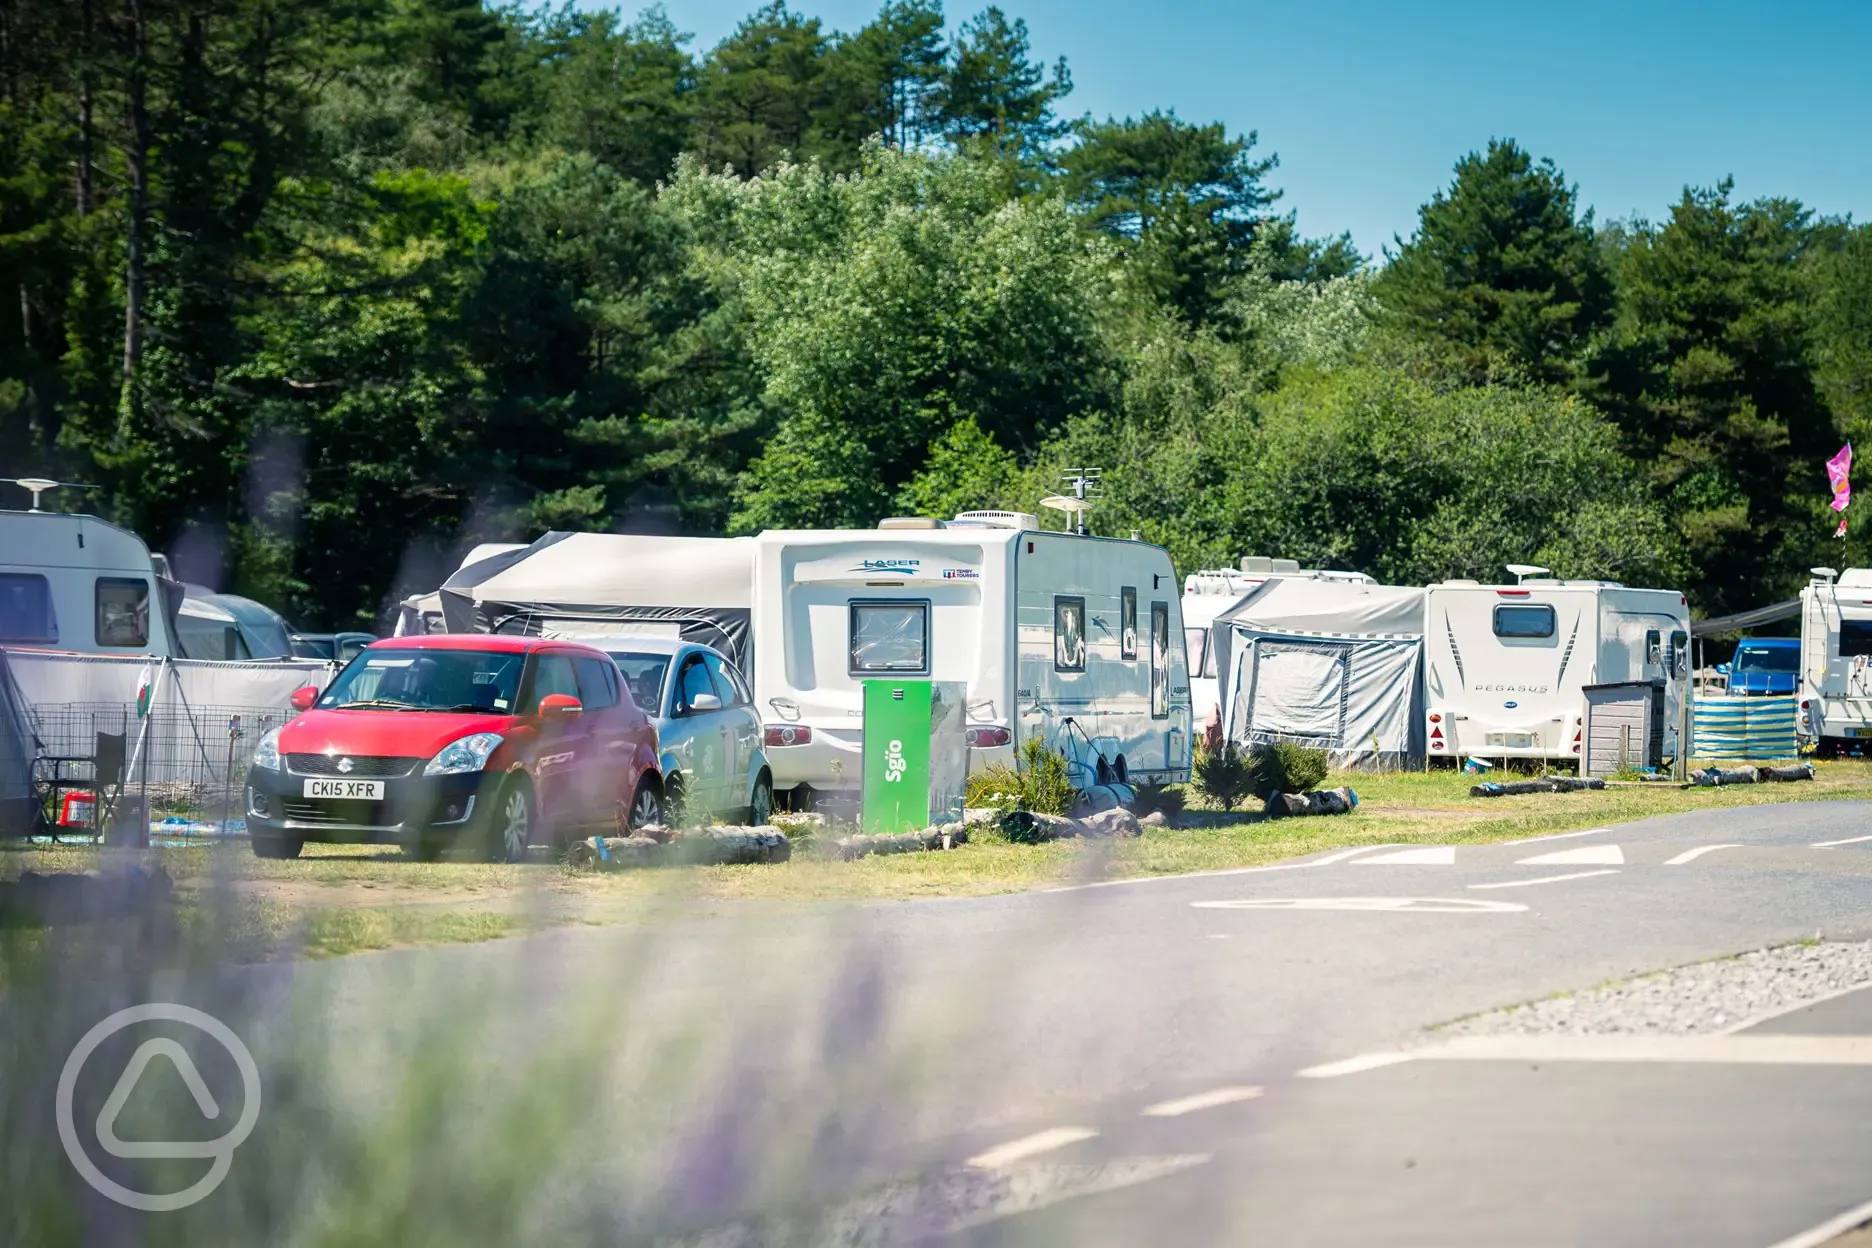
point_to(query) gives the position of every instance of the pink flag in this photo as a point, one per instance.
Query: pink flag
(1841, 531)
(1838, 469)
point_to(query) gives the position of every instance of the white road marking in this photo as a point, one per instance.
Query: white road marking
(1218, 935)
(1691, 855)
(1753, 1050)
(1337, 856)
(1814, 1236)
(1557, 836)
(1028, 1146)
(1591, 855)
(1353, 1065)
(1430, 856)
(1202, 1100)
(1413, 905)
(1547, 879)
(1851, 840)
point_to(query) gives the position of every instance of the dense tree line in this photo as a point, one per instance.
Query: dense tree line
(322, 291)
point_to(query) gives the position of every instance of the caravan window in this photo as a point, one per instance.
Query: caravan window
(1855, 638)
(26, 609)
(1196, 641)
(1069, 639)
(1680, 653)
(1127, 622)
(123, 611)
(890, 637)
(1160, 660)
(1526, 620)
(1653, 648)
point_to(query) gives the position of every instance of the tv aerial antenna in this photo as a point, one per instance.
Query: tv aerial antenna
(40, 485)
(1083, 493)
(1524, 570)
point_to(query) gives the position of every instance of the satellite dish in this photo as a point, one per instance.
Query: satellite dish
(1065, 503)
(39, 485)
(1524, 570)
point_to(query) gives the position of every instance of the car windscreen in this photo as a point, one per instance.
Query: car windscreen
(1780, 659)
(643, 673)
(427, 680)
(312, 647)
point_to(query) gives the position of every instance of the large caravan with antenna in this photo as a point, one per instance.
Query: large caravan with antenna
(1074, 640)
(74, 582)
(1507, 666)
(1836, 659)
(1212, 591)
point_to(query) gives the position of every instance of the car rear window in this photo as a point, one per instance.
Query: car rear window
(1524, 620)
(597, 681)
(643, 673)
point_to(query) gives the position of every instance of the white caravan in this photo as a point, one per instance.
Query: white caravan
(74, 582)
(1836, 658)
(1507, 665)
(1210, 592)
(1074, 640)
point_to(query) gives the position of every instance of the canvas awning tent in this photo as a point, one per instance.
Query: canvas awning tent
(590, 584)
(1326, 664)
(18, 748)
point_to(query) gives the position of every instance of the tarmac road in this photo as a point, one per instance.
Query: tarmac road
(1200, 1060)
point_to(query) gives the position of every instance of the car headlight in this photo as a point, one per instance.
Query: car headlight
(470, 753)
(266, 754)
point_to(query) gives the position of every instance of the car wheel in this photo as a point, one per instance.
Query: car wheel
(265, 846)
(646, 806)
(760, 810)
(510, 832)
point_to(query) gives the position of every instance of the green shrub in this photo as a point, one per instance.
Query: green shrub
(1037, 782)
(1225, 775)
(1156, 796)
(1282, 767)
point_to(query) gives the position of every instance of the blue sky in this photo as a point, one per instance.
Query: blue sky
(1369, 104)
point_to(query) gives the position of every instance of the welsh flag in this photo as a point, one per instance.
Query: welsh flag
(146, 681)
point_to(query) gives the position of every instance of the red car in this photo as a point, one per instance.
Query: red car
(490, 743)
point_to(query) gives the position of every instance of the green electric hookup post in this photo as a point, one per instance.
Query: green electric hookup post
(896, 756)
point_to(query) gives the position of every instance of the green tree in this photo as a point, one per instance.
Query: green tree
(996, 96)
(1190, 199)
(1502, 270)
(1709, 373)
(623, 93)
(882, 310)
(886, 80)
(761, 91)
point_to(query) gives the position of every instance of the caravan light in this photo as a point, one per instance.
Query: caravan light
(1435, 718)
(1512, 593)
(787, 734)
(988, 737)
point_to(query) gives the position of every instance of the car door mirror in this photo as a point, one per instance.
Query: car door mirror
(560, 704)
(304, 696)
(704, 702)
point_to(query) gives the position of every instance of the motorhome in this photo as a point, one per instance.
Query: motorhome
(1210, 592)
(1074, 640)
(1836, 659)
(74, 582)
(1507, 665)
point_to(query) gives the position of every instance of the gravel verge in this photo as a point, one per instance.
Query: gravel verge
(1699, 999)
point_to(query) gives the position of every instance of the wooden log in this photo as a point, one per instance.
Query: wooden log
(1715, 777)
(1317, 802)
(1799, 771)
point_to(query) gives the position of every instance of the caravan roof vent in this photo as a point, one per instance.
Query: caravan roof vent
(910, 522)
(999, 519)
(1257, 563)
(1856, 578)
(1286, 565)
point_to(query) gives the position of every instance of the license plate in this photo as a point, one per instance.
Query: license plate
(346, 790)
(1512, 740)
(1859, 732)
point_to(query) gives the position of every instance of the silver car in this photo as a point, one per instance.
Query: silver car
(709, 734)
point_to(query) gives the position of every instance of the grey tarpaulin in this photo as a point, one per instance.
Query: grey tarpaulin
(586, 584)
(1327, 664)
(18, 749)
(1771, 614)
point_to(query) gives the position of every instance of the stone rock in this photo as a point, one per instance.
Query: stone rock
(1156, 819)
(1116, 822)
(973, 815)
(1026, 827)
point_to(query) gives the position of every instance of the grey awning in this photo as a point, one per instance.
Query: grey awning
(1746, 619)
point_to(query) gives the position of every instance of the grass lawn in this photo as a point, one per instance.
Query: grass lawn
(343, 899)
